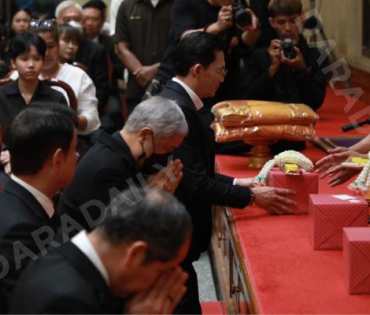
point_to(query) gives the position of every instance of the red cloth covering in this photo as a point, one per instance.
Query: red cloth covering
(287, 276)
(356, 256)
(329, 215)
(304, 184)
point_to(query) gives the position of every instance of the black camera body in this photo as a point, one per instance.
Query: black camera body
(241, 17)
(287, 45)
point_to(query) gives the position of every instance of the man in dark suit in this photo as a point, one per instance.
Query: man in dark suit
(200, 68)
(156, 127)
(90, 54)
(42, 146)
(134, 254)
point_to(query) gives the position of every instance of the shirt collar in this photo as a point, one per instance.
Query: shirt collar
(194, 97)
(84, 245)
(44, 201)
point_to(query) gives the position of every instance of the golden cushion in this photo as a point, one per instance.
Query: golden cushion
(251, 113)
(271, 132)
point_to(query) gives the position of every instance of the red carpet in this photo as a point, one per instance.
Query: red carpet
(288, 276)
(212, 308)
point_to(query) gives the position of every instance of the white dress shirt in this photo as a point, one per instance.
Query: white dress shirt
(43, 200)
(84, 245)
(194, 97)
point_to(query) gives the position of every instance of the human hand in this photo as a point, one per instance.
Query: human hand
(225, 18)
(271, 199)
(145, 74)
(5, 157)
(162, 297)
(339, 174)
(167, 178)
(275, 53)
(337, 156)
(5, 161)
(297, 63)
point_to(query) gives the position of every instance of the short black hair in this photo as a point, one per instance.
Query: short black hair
(33, 137)
(96, 4)
(285, 7)
(21, 44)
(194, 48)
(57, 108)
(152, 216)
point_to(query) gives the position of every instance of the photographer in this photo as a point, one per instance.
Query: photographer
(289, 70)
(216, 17)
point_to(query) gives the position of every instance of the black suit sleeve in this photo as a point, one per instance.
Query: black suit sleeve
(19, 248)
(197, 182)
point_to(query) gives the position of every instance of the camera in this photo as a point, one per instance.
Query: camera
(241, 17)
(288, 44)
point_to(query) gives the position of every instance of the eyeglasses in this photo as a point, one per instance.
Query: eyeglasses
(43, 23)
(222, 71)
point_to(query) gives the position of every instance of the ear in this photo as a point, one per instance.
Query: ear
(136, 254)
(57, 159)
(197, 69)
(12, 63)
(272, 23)
(144, 133)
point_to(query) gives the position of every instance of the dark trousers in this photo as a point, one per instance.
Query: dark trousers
(190, 302)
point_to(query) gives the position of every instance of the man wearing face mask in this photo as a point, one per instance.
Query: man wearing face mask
(120, 161)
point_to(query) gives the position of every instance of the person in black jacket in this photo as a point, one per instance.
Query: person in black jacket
(42, 146)
(133, 254)
(272, 75)
(200, 69)
(116, 162)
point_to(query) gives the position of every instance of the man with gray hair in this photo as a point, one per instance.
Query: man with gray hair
(125, 159)
(134, 254)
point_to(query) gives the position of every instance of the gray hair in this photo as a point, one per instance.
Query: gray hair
(65, 5)
(162, 115)
(152, 216)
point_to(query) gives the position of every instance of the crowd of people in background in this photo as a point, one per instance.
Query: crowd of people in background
(124, 225)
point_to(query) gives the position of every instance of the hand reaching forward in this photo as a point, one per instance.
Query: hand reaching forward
(162, 297)
(273, 200)
(167, 178)
(336, 156)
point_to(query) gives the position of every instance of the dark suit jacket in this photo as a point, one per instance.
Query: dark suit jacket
(63, 282)
(200, 187)
(106, 169)
(12, 102)
(21, 214)
(94, 57)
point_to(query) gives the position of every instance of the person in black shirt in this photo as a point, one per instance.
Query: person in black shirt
(27, 52)
(273, 76)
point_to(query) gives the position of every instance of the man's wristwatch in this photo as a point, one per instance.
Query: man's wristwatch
(253, 198)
